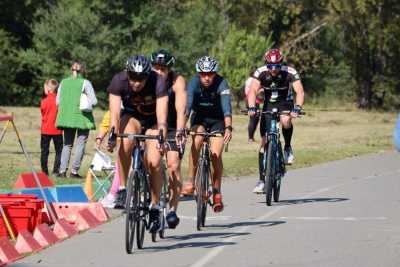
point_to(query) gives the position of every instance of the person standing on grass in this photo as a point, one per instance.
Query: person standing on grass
(253, 120)
(48, 109)
(72, 120)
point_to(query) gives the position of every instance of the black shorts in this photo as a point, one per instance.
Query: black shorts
(211, 125)
(265, 120)
(146, 122)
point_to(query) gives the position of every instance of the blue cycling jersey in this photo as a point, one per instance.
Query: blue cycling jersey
(397, 134)
(213, 102)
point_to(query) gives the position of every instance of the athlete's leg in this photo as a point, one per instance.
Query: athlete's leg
(152, 161)
(174, 174)
(128, 125)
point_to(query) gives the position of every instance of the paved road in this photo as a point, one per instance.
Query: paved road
(344, 213)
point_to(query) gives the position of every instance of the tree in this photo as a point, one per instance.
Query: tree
(240, 53)
(370, 42)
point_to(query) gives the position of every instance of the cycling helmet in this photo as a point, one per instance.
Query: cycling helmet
(138, 67)
(163, 58)
(207, 64)
(273, 56)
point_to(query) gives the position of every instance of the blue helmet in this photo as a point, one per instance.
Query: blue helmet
(207, 64)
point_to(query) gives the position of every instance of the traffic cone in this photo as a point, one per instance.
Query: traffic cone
(88, 186)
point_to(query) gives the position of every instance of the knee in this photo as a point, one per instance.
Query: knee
(154, 164)
(286, 122)
(173, 166)
(216, 158)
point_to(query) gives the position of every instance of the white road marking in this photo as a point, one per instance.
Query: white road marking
(213, 253)
(335, 218)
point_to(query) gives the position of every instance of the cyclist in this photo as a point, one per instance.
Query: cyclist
(143, 95)
(162, 63)
(209, 99)
(278, 82)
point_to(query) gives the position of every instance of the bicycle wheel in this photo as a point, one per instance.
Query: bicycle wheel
(281, 166)
(144, 202)
(131, 209)
(269, 172)
(201, 204)
(164, 202)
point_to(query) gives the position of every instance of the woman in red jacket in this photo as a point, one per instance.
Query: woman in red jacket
(49, 131)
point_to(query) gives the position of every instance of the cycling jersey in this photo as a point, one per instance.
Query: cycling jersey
(213, 102)
(172, 116)
(141, 105)
(277, 88)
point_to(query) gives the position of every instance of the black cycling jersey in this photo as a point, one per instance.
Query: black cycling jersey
(277, 88)
(141, 105)
(172, 116)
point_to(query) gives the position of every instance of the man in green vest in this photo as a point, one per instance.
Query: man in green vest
(72, 119)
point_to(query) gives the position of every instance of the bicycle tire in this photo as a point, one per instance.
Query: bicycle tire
(164, 199)
(269, 172)
(144, 197)
(278, 181)
(205, 181)
(131, 208)
(200, 193)
(277, 189)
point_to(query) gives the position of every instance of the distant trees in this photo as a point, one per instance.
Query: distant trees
(343, 49)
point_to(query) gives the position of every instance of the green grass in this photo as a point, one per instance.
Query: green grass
(320, 136)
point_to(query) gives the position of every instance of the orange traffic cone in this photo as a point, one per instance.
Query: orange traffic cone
(88, 186)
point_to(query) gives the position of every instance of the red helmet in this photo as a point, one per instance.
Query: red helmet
(273, 56)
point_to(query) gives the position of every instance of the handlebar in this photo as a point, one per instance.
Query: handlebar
(207, 135)
(141, 137)
(271, 112)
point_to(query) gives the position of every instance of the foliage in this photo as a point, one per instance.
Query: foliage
(342, 49)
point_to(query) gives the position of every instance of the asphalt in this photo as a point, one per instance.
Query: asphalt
(343, 213)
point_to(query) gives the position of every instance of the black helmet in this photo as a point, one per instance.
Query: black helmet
(138, 67)
(163, 58)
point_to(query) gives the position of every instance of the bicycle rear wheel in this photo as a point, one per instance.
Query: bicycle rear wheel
(131, 209)
(201, 194)
(143, 211)
(269, 172)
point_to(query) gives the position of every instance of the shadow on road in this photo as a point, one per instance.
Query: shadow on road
(247, 223)
(307, 201)
(205, 235)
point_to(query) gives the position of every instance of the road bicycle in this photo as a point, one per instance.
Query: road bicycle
(203, 183)
(273, 163)
(138, 191)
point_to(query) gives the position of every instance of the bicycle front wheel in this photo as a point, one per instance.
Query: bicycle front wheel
(269, 172)
(201, 194)
(131, 210)
(143, 195)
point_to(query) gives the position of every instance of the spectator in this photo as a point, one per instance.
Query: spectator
(253, 120)
(109, 200)
(72, 120)
(48, 108)
(397, 135)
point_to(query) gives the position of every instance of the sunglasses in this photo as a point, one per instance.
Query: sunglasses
(134, 76)
(274, 66)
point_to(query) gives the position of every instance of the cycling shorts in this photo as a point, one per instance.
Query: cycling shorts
(265, 121)
(211, 125)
